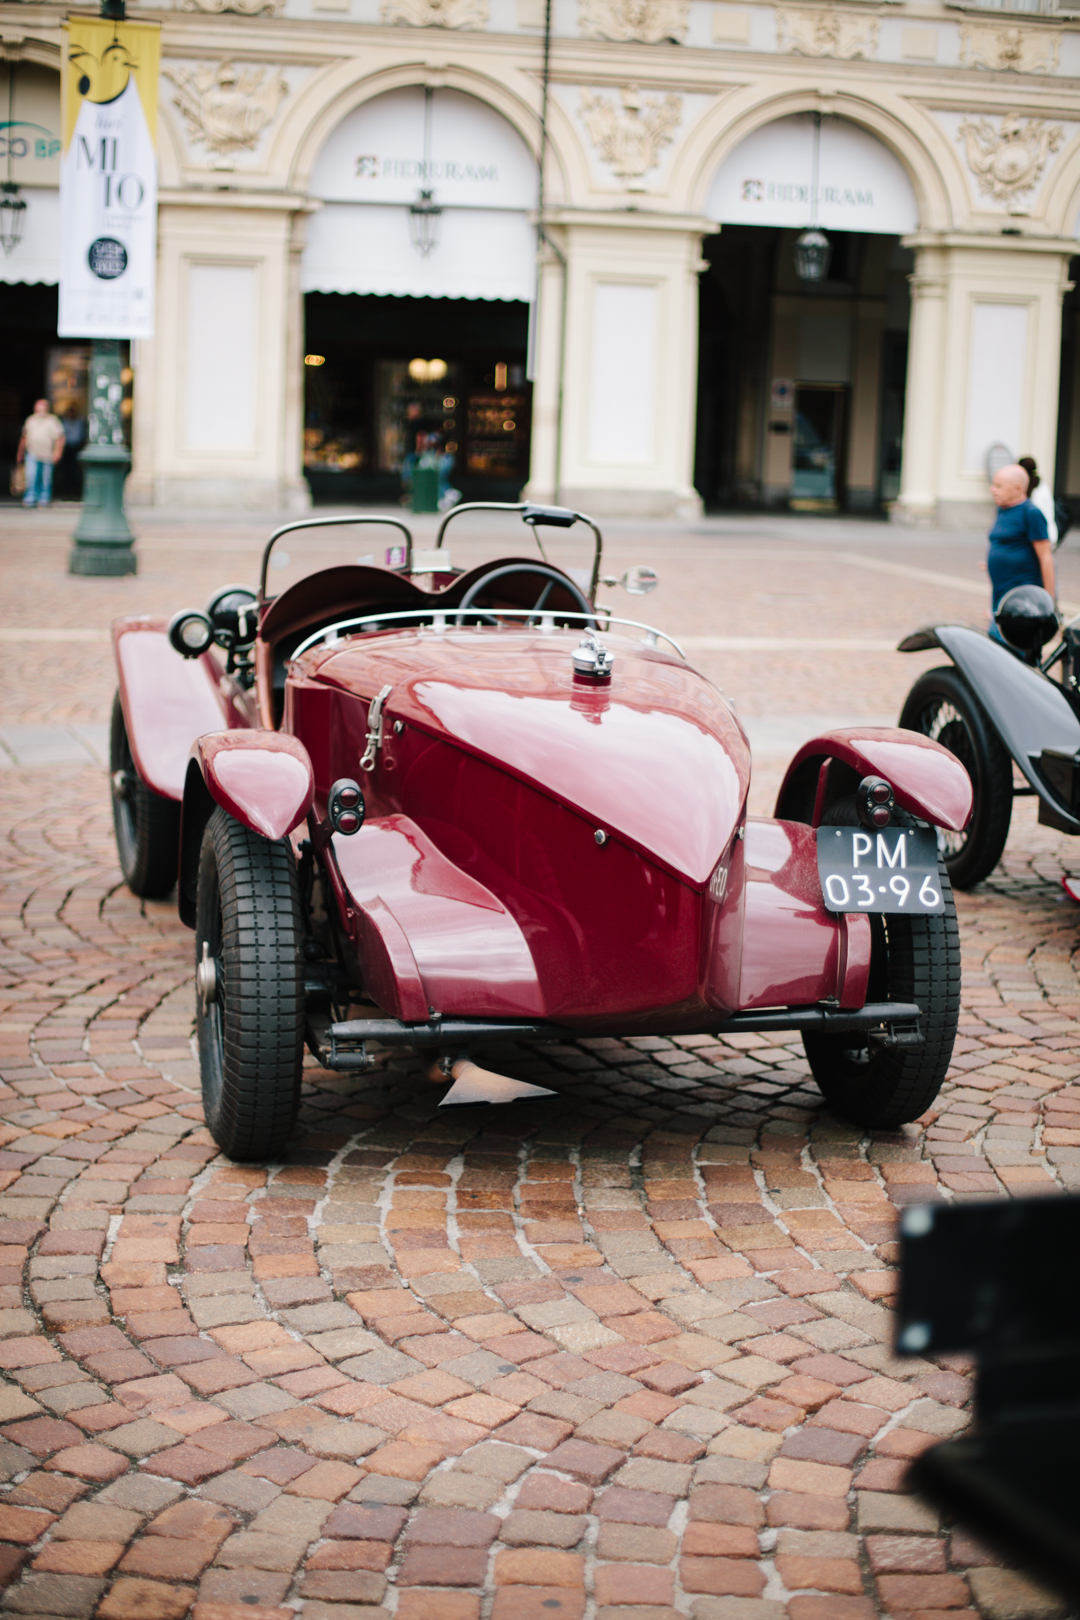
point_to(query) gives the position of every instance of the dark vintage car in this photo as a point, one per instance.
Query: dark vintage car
(1000, 703)
(412, 805)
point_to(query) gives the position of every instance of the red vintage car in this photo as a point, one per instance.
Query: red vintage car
(407, 804)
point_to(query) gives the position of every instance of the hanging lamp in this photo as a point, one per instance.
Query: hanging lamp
(12, 216)
(813, 250)
(425, 211)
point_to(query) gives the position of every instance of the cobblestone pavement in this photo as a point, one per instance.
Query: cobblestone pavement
(620, 1356)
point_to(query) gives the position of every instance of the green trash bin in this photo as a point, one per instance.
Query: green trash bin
(425, 488)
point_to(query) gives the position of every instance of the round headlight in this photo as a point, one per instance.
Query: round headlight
(234, 611)
(1026, 618)
(190, 634)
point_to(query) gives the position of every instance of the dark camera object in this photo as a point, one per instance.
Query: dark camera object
(1026, 618)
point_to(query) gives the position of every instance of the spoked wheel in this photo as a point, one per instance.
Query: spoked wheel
(914, 958)
(147, 826)
(943, 707)
(250, 984)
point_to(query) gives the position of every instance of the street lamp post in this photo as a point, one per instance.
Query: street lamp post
(103, 541)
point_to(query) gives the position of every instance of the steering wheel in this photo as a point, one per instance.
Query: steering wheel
(543, 570)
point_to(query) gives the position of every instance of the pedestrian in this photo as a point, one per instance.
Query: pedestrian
(1040, 495)
(1020, 551)
(68, 479)
(42, 445)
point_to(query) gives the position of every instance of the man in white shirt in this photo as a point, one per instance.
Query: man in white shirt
(41, 445)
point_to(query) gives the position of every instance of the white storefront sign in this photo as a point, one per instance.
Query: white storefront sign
(769, 180)
(377, 162)
(108, 179)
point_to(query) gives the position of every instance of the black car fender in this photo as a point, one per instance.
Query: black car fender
(1029, 712)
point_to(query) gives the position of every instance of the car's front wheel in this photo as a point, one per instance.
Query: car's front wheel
(915, 958)
(147, 826)
(250, 989)
(943, 707)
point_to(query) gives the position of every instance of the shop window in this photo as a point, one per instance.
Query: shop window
(369, 415)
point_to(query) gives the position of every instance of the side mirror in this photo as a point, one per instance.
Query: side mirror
(639, 581)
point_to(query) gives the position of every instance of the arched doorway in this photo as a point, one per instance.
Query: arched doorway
(417, 275)
(801, 383)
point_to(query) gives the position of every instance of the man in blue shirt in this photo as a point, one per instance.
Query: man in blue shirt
(1020, 549)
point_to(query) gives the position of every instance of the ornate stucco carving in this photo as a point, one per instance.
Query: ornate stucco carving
(649, 21)
(631, 137)
(1023, 50)
(436, 13)
(246, 8)
(226, 108)
(1008, 161)
(825, 32)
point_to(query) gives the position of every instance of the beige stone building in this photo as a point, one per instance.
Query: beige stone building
(356, 262)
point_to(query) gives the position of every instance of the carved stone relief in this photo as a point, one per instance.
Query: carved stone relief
(1023, 50)
(649, 21)
(630, 138)
(246, 8)
(226, 108)
(826, 32)
(436, 13)
(1008, 161)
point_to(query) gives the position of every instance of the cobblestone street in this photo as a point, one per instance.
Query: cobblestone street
(620, 1355)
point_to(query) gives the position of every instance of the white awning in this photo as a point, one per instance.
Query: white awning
(37, 257)
(375, 164)
(768, 180)
(479, 254)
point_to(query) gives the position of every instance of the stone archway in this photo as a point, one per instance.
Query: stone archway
(801, 388)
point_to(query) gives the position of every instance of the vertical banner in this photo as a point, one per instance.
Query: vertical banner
(108, 178)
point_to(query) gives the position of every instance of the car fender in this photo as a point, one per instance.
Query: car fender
(261, 778)
(1028, 711)
(928, 781)
(167, 701)
(769, 941)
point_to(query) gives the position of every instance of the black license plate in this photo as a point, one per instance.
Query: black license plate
(893, 870)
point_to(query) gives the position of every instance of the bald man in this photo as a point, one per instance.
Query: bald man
(1020, 550)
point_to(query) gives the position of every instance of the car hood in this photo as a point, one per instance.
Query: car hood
(655, 757)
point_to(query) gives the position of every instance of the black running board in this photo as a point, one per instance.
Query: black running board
(343, 1045)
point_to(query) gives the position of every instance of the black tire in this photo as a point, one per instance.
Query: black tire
(251, 1025)
(942, 705)
(916, 959)
(147, 826)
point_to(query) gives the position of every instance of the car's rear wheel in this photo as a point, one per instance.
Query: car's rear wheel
(914, 958)
(250, 984)
(943, 707)
(147, 826)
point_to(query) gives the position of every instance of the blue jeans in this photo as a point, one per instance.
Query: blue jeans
(38, 482)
